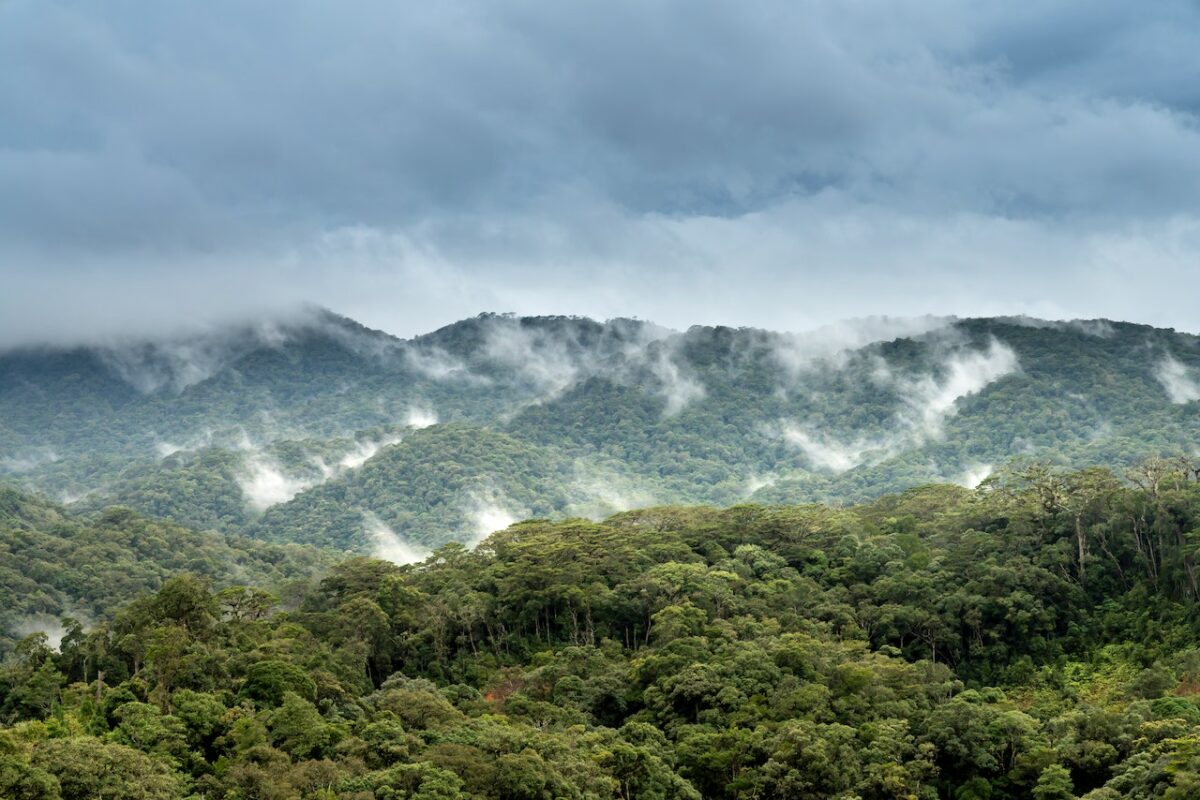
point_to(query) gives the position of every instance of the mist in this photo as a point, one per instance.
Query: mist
(603, 491)
(826, 452)
(264, 483)
(799, 352)
(364, 450)
(678, 389)
(1181, 382)
(931, 399)
(386, 545)
(972, 476)
(48, 624)
(28, 460)
(926, 402)
(488, 510)
(420, 417)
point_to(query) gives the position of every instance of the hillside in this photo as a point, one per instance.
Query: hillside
(1036, 639)
(53, 565)
(315, 429)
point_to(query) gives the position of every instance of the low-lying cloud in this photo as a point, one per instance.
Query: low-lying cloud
(366, 449)
(798, 352)
(29, 460)
(927, 401)
(827, 452)
(932, 398)
(677, 388)
(487, 509)
(264, 483)
(1180, 381)
(387, 545)
(603, 491)
(41, 623)
(974, 475)
(420, 417)
(549, 356)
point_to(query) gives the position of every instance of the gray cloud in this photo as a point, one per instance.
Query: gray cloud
(774, 163)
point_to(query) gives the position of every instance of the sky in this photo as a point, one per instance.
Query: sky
(774, 164)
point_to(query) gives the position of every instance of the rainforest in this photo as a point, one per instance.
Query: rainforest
(1034, 637)
(604, 400)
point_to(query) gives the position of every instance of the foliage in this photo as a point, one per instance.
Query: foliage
(557, 417)
(1034, 638)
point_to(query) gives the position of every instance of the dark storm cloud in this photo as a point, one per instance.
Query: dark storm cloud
(771, 163)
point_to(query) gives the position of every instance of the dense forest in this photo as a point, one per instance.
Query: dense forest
(313, 428)
(1036, 637)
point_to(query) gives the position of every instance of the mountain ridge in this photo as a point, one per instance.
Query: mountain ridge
(610, 415)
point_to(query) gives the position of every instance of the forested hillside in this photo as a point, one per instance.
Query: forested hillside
(1035, 638)
(53, 565)
(316, 429)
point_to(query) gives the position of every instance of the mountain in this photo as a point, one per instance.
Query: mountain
(316, 429)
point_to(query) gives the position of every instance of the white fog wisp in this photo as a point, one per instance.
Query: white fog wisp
(974, 475)
(435, 363)
(678, 389)
(826, 452)
(364, 450)
(29, 460)
(756, 482)
(386, 544)
(544, 361)
(488, 510)
(420, 417)
(1178, 380)
(603, 491)
(798, 352)
(931, 399)
(926, 401)
(41, 623)
(264, 483)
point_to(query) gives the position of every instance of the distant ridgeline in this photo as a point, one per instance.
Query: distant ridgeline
(315, 429)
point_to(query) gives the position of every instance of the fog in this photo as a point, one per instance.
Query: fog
(420, 417)
(926, 402)
(825, 451)
(28, 460)
(366, 449)
(264, 483)
(931, 399)
(488, 510)
(974, 475)
(1181, 382)
(41, 623)
(797, 352)
(602, 491)
(388, 546)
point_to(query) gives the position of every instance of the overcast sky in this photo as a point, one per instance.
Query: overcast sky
(778, 164)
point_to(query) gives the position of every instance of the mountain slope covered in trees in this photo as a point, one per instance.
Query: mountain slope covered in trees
(54, 565)
(1033, 639)
(314, 428)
